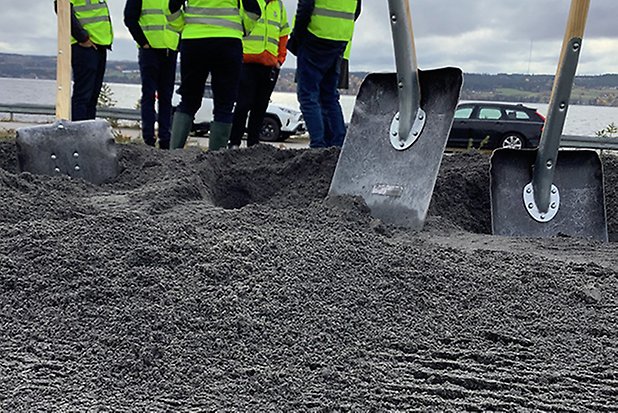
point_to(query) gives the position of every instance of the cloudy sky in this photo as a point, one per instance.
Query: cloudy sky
(479, 36)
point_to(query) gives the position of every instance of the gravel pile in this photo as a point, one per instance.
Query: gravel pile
(227, 282)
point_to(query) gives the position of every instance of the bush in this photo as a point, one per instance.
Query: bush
(609, 131)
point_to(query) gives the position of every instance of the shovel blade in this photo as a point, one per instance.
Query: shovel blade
(579, 179)
(84, 149)
(396, 185)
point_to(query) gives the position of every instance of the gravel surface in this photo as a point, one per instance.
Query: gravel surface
(227, 282)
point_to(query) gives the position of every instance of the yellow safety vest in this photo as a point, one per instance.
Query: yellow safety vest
(348, 50)
(94, 17)
(216, 18)
(333, 19)
(265, 35)
(160, 26)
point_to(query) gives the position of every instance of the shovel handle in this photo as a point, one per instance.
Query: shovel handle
(547, 155)
(405, 61)
(63, 64)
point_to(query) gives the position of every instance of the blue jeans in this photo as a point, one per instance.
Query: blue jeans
(88, 66)
(318, 76)
(158, 71)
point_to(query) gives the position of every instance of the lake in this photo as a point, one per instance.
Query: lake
(581, 120)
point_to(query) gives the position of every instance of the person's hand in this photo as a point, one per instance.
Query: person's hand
(88, 43)
(146, 46)
(278, 66)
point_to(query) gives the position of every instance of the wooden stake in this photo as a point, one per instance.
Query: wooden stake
(63, 65)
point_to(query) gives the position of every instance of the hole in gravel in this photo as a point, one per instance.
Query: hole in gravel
(232, 196)
(264, 175)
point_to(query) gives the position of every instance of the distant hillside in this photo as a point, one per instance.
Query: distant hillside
(599, 90)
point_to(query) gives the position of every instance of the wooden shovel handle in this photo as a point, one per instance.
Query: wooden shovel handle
(577, 19)
(63, 65)
(576, 24)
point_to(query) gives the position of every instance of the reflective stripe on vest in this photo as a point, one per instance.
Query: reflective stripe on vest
(155, 21)
(333, 19)
(212, 18)
(94, 17)
(265, 35)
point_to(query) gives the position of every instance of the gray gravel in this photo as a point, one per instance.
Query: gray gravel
(226, 282)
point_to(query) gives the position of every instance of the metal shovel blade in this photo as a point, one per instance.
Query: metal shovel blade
(396, 184)
(84, 149)
(579, 182)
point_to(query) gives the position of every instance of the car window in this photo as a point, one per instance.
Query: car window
(490, 113)
(463, 113)
(517, 114)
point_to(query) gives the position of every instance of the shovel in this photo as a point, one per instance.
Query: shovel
(401, 121)
(82, 149)
(547, 192)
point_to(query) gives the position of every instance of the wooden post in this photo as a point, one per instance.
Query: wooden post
(63, 65)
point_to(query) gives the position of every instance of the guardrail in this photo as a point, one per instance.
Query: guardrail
(36, 109)
(593, 142)
(566, 141)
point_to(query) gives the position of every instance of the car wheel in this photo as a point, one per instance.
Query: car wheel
(513, 141)
(270, 130)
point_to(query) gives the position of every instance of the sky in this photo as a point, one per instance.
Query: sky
(479, 36)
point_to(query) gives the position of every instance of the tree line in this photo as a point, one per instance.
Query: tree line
(599, 90)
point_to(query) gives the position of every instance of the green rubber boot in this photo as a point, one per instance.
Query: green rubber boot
(181, 126)
(219, 135)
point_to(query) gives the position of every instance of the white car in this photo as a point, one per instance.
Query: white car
(280, 121)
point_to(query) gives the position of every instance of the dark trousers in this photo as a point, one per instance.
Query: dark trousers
(257, 83)
(158, 72)
(88, 66)
(221, 58)
(318, 77)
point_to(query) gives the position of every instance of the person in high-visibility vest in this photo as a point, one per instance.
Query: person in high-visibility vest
(322, 31)
(264, 53)
(157, 34)
(211, 45)
(91, 37)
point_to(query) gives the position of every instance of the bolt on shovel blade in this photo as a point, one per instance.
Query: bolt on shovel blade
(579, 179)
(396, 185)
(84, 149)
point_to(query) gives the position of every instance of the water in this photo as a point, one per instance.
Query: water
(581, 120)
